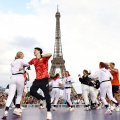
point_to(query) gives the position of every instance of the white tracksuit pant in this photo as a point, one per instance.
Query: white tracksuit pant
(106, 88)
(86, 90)
(66, 95)
(7, 93)
(96, 93)
(55, 93)
(16, 83)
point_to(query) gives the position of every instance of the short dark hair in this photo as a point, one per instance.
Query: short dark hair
(112, 63)
(39, 49)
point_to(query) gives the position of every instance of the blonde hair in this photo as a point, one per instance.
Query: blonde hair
(18, 55)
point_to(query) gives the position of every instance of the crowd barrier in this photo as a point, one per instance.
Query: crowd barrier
(59, 105)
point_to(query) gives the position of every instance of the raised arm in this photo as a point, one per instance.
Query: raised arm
(116, 71)
(47, 55)
(95, 75)
(25, 63)
(28, 79)
(80, 78)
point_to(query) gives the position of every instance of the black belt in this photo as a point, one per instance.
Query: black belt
(55, 87)
(17, 73)
(67, 87)
(105, 81)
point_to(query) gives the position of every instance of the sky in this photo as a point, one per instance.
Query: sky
(90, 32)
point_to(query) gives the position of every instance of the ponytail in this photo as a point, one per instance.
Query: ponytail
(88, 73)
(56, 76)
(104, 65)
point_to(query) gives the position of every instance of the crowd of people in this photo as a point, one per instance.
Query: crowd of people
(32, 100)
(75, 100)
(105, 80)
(3, 99)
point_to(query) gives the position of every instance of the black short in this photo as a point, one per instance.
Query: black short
(115, 89)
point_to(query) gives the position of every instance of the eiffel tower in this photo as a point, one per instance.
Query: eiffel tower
(58, 63)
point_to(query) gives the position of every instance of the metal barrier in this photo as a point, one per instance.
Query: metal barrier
(59, 105)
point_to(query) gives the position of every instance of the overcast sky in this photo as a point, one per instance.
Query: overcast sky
(90, 33)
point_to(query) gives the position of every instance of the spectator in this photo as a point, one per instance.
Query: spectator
(31, 100)
(62, 101)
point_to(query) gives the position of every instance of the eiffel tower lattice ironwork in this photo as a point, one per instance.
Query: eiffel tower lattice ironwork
(58, 62)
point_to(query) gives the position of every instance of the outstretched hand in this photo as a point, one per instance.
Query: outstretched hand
(28, 68)
(79, 75)
(66, 82)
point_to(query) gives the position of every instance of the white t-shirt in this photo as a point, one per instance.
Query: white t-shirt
(18, 63)
(102, 74)
(55, 83)
(74, 101)
(70, 81)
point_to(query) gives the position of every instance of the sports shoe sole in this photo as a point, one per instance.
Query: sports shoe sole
(108, 113)
(4, 117)
(16, 114)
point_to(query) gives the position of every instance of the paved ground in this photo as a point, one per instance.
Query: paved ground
(62, 114)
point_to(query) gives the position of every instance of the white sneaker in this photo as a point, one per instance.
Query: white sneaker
(5, 115)
(13, 106)
(22, 108)
(54, 109)
(98, 108)
(86, 109)
(41, 107)
(117, 109)
(112, 108)
(69, 109)
(72, 109)
(108, 112)
(89, 108)
(49, 116)
(17, 112)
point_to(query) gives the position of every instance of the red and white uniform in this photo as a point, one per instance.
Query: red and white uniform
(55, 93)
(67, 89)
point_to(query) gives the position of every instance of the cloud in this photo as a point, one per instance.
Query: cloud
(89, 33)
(25, 42)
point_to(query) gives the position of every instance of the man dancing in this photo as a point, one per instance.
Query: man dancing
(41, 81)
